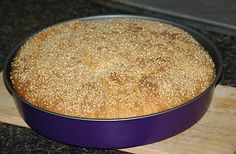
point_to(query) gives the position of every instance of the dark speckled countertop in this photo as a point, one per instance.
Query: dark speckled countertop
(19, 19)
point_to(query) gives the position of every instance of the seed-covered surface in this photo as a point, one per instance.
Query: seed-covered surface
(111, 68)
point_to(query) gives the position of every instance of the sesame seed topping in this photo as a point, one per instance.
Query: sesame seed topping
(112, 68)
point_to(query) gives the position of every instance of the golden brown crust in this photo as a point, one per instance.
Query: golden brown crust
(111, 69)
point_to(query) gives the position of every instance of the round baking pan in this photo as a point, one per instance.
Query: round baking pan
(122, 132)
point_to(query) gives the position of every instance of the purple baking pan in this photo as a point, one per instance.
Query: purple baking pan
(123, 132)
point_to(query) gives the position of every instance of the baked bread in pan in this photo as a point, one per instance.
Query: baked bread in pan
(114, 68)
